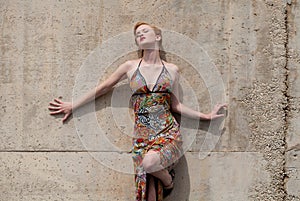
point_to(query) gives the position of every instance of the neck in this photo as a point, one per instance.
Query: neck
(151, 56)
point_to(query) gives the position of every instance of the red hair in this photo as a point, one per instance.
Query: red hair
(157, 31)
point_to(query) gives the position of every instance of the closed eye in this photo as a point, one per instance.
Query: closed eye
(138, 34)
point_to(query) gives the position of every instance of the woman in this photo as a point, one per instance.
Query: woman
(157, 140)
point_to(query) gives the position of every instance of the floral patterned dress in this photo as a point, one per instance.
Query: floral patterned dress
(155, 127)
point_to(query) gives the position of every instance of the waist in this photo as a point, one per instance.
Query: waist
(142, 93)
(153, 139)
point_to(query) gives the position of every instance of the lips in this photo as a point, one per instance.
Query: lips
(142, 38)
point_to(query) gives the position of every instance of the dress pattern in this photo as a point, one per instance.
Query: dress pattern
(155, 127)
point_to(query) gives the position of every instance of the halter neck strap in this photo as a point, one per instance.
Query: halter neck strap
(140, 63)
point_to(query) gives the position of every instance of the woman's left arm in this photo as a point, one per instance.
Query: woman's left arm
(180, 108)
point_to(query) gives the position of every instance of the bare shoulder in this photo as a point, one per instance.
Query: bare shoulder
(131, 66)
(171, 67)
(128, 65)
(173, 70)
(133, 62)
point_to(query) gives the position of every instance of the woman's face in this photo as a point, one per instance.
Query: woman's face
(145, 37)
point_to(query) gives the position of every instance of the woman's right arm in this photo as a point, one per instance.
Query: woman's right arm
(66, 108)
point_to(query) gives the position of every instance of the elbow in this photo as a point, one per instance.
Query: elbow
(176, 108)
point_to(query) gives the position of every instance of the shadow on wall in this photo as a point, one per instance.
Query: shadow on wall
(181, 191)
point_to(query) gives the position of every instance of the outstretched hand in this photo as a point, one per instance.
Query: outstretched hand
(218, 111)
(59, 107)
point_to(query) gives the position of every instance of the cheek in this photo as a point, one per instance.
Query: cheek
(150, 36)
(136, 40)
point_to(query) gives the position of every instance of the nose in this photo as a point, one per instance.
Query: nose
(139, 35)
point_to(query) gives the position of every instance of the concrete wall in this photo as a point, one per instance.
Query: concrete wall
(253, 45)
(293, 83)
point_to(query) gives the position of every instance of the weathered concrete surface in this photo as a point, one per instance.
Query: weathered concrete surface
(238, 172)
(61, 176)
(293, 93)
(79, 176)
(43, 46)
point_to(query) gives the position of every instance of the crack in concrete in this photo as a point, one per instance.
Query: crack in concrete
(286, 94)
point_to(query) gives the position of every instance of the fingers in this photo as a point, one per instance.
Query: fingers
(56, 112)
(54, 108)
(222, 105)
(219, 107)
(219, 110)
(59, 107)
(217, 116)
(56, 103)
(57, 100)
(65, 117)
